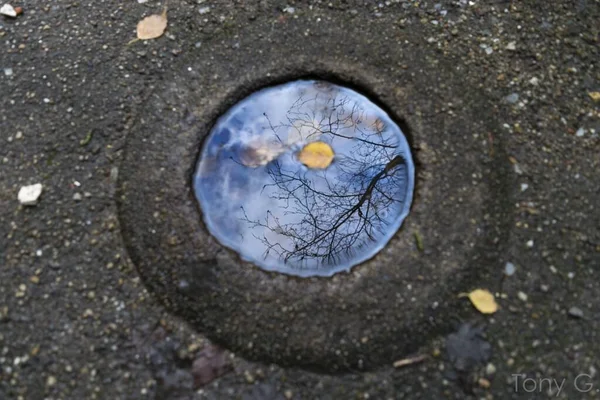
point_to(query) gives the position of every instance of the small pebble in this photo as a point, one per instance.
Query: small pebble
(490, 369)
(529, 244)
(512, 98)
(512, 46)
(8, 71)
(580, 132)
(576, 312)
(509, 269)
(518, 169)
(288, 394)
(77, 197)
(249, 377)
(522, 296)
(8, 10)
(51, 381)
(524, 187)
(204, 10)
(29, 195)
(484, 383)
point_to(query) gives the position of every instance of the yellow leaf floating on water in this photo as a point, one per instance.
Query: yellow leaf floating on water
(316, 155)
(483, 300)
(153, 26)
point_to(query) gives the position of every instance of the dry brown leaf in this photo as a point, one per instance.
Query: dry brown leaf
(316, 155)
(483, 301)
(152, 27)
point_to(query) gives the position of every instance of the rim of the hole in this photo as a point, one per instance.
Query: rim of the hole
(248, 87)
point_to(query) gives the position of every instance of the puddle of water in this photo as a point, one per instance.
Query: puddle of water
(258, 199)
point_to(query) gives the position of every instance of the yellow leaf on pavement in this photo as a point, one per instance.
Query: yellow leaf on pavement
(316, 155)
(483, 301)
(595, 96)
(152, 27)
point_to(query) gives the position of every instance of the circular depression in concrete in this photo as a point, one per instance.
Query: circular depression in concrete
(381, 310)
(306, 178)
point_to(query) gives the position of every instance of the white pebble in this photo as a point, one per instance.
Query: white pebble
(580, 132)
(8, 10)
(524, 187)
(522, 296)
(509, 269)
(29, 195)
(529, 244)
(518, 169)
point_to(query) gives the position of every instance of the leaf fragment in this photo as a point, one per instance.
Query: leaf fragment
(316, 155)
(409, 361)
(594, 96)
(483, 300)
(419, 241)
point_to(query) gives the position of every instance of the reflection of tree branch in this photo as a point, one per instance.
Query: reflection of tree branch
(342, 218)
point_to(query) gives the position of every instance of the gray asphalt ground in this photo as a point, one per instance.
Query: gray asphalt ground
(499, 102)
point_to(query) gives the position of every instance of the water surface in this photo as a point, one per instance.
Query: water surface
(258, 199)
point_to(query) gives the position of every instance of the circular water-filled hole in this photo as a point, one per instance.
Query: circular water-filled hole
(385, 308)
(306, 178)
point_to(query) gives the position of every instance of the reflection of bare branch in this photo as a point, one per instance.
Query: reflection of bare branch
(326, 219)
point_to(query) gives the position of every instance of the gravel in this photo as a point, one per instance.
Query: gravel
(58, 342)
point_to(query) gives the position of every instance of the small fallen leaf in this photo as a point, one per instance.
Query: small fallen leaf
(483, 300)
(153, 26)
(316, 155)
(409, 361)
(595, 96)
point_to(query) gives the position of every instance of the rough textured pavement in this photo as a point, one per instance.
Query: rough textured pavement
(76, 321)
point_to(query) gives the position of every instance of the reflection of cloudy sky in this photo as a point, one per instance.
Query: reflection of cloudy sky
(276, 209)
